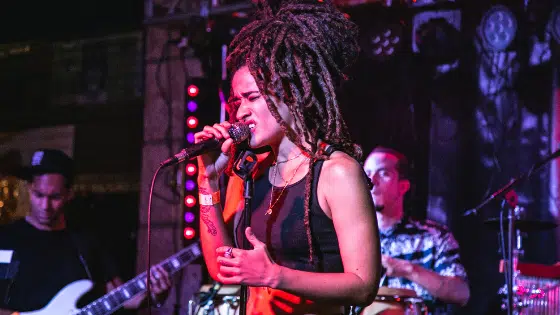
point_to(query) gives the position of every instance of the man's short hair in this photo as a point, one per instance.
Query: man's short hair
(402, 166)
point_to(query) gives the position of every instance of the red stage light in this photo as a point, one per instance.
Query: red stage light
(190, 201)
(189, 233)
(192, 90)
(192, 122)
(190, 169)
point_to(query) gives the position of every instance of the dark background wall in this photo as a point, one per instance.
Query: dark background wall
(468, 118)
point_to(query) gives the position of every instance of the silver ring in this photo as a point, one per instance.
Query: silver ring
(229, 253)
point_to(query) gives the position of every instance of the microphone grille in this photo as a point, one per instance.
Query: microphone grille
(239, 132)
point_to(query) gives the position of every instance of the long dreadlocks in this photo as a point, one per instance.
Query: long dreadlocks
(297, 52)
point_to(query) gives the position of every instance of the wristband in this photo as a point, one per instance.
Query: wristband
(209, 200)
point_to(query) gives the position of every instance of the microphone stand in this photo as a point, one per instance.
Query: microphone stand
(510, 201)
(244, 167)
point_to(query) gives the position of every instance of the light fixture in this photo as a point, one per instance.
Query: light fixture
(190, 169)
(553, 26)
(383, 41)
(189, 217)
(192, 122)
(190, 201)
(498, 28)
(190, 185)
(192, 106)
(189, 233)
(190, 137)
(192, 90)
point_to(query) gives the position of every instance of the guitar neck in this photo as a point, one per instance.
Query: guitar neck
(113, 300)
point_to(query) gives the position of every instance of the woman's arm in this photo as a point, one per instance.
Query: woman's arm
(344, 196)
(213, 231)
(215, 224)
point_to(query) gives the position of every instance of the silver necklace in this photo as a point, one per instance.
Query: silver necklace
(292, 158)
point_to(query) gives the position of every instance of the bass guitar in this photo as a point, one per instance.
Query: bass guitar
(64, 302)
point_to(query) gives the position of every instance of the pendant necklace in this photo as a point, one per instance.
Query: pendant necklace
(271, 204)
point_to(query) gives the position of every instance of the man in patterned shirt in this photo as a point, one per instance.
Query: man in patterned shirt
(421, 256)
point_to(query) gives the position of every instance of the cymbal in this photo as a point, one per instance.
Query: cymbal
(523, 225)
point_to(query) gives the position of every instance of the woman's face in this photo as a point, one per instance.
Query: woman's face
(252, 109)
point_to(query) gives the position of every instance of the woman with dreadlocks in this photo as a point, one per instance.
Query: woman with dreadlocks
(313, 232)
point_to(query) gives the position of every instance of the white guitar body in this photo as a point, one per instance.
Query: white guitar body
(64, 302)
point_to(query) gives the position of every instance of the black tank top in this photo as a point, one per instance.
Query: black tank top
(284, 231)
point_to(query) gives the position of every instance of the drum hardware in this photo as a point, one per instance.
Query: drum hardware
(395, 300)
(522, 225)
(514, 296)
(524, 297)
(227, 305)
(527, 294)
(536, 288)
(546, 295)
(215, 299)
(232, 301)
(206, 308)
(509, 203)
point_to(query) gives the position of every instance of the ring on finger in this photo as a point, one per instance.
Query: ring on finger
(229, 253)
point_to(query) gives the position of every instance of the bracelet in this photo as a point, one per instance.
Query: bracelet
(209, 200)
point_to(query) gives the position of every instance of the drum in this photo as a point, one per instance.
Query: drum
(223, 301)
(391, 301)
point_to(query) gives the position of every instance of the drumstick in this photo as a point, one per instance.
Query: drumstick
(383, 276)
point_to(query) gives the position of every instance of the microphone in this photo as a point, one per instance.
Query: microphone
(239, 132)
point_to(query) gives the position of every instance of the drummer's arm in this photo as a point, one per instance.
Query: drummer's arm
(450, 289)
(447, 281)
